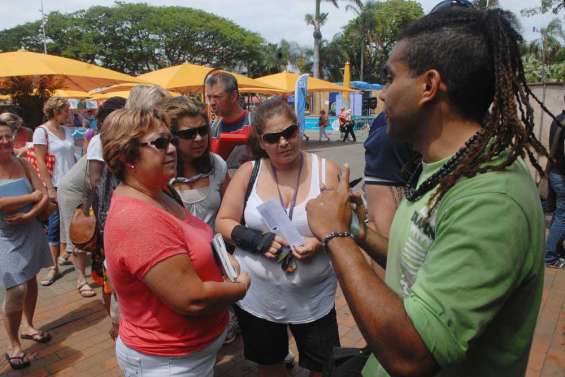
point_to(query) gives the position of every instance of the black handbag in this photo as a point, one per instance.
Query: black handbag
(346, 362)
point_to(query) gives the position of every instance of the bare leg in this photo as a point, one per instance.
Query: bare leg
(275, 370)
(55, 253)
(79, 261)
(12, 308)
(29, 307)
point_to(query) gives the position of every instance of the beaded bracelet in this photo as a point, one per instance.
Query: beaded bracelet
(333, 235)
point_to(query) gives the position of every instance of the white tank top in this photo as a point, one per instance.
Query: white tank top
(303, 296)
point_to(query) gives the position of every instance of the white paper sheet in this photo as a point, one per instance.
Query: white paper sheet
(278, 222)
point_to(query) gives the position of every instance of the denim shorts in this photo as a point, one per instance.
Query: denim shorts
(53, 228)
(196, 364)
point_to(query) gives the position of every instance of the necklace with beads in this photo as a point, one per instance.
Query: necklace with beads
(413, 193)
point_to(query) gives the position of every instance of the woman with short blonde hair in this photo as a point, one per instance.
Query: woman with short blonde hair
(53, 138)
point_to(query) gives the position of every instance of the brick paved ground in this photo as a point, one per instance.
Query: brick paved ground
(81, 345)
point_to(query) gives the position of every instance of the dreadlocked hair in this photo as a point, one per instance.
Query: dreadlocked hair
(477, 55)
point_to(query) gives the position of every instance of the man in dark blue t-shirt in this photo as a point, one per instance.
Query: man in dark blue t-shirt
(385, 160)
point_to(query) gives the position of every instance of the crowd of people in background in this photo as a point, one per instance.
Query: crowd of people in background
(443, 160)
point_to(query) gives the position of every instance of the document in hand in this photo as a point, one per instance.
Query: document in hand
(222, 254)
(278, 222)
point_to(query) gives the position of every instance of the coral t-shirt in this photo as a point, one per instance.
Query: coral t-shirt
(137, 236)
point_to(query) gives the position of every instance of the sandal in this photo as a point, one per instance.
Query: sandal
(85, 290)
(17, 362)
(64, 259)
(39, 337)
(52, 275)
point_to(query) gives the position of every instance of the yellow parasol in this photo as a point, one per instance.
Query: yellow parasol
(346, 83)
(73, 74)
(286, 81)
(120, 93)
(79, 94)
(190, 78)
(70, 93)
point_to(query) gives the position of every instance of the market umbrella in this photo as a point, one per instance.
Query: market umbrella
(70, 93)
(190, 78)
(286, 81)
(71, 74)
(119, 93)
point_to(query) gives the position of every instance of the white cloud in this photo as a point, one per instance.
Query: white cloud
(273, 19)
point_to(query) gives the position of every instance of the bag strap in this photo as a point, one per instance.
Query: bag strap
(173, 194)
(26, 172)
(46, 137)
(252, 179)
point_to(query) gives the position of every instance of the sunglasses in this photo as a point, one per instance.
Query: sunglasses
(451, 3)
(161, 143)
(287, 133)
(190, 133)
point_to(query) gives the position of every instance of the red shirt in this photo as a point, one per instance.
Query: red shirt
(137, 236)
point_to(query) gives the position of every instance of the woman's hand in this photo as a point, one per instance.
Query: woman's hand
(310, 247)
(243, 278)
(52, 194)
(17, 218)
(36, 196)
(235, 264)
(278, 242)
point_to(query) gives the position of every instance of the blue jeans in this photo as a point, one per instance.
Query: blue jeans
(53, 228)
(557, 228)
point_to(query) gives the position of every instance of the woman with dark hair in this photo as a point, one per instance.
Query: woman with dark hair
(201, 175)
(293, 287)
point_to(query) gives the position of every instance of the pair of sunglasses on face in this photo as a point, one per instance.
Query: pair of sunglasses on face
(287, 133)
(162, 142)
(190, 134)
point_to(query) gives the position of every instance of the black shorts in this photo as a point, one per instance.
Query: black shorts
(266, 342)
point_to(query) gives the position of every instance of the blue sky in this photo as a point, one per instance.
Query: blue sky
(273, 19)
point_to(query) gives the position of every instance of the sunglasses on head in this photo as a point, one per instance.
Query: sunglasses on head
(190, 133)
(161, 143)
(287, 133)
(451, 3)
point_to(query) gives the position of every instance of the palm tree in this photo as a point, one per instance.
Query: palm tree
(484, 4)
(365, 20)
(317, 20)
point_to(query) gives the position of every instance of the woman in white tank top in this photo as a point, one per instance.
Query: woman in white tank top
(302, 298)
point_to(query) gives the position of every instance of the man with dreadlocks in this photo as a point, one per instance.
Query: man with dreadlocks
(464, 262)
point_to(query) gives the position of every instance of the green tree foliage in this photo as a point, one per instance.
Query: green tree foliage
(385, 19)
(554, 6)
(137, 38)
(284, 55)
(29, 94)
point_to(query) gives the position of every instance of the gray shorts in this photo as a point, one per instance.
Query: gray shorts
(197, 364)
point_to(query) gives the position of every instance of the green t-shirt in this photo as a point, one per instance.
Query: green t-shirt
(472, 279)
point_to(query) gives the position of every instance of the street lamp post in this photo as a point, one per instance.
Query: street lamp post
(43, 29)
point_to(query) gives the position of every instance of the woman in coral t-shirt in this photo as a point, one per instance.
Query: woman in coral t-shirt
(171, 293)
